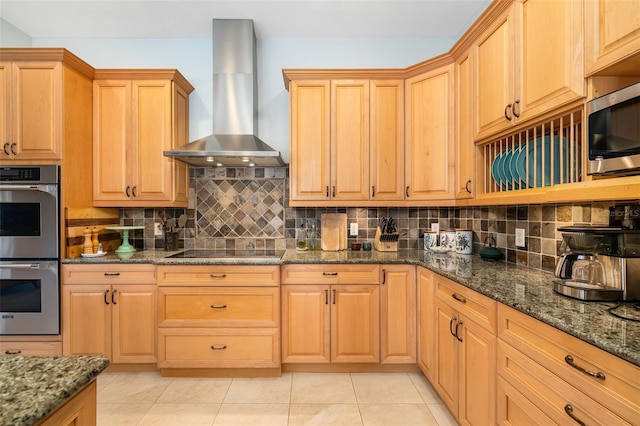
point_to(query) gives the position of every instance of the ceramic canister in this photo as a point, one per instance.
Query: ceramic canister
(430, 239)
(464, 241)
(448, 240)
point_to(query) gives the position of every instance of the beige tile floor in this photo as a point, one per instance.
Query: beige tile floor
(394, 399)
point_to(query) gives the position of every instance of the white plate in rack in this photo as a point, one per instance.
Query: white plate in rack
(94, 254)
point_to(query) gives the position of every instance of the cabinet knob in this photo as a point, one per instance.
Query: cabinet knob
(507, 112)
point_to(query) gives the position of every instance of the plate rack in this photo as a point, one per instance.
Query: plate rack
(547, 154)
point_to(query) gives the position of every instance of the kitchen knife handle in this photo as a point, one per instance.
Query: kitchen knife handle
(599, 375)
(569, 410)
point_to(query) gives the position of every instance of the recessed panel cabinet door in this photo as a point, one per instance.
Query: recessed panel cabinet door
(350, 140)
(426, 323)
(398, 314)
(86, 320)
(310, 168)
(134, 323)
(447, 368)
(5, 109)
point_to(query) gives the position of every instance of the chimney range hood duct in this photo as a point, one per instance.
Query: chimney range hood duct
(235, 111)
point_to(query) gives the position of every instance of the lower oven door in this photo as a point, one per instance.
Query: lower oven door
(29, 297)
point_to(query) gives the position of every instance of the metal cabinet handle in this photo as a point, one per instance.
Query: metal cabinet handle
(6, 148)
(506, 115)
(218, 306)
(13, 146)
(329, 274)
(406, 192)
(333, 191)
(326, 297)
(326, 190)
(106, 293)
(113, 297)
(384, 276)
(466, 186)
(458, 298)
(569, 410)
(112, 274)
(133, 191)
(453, 318)
(218, 276)
(218, 348)
(456, 333)
(126, 191)
(373, 191)
(12, 352)
(334, 296)
(516, 102)
(599, 375)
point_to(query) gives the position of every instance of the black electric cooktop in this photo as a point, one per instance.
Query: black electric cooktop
(228, 254)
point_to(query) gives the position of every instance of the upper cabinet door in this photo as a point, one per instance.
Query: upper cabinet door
(310, 139)
(495, 76)
(612, 34)
(552, 60)
(464, 146)
(350, 140)
(386, 140)
(5, 109)
(429, 117)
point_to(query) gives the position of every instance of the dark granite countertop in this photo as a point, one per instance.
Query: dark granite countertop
(32, 387)
(527, 290)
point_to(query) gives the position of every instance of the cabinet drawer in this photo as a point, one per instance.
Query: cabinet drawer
(473, 305)
(219, 307)
(331, 274)
(548, 392)
(31, 348)
(107, 273)
(619, 390)
(220, 347)
(218, 275)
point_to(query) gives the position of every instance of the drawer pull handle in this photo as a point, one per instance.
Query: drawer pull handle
(458, 298)
(218, 348)
(13, 352)
(599, 375)
(218, 276)
(218, 306)
(454, 318)
(569, 410)
(330, 274)
(112, 274)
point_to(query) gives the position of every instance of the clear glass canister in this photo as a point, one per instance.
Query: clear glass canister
(312, 238)
(301, 238)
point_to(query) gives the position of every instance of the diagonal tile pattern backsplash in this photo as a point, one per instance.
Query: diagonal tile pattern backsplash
(247, 208)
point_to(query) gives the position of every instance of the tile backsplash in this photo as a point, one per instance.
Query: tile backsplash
(245, 208)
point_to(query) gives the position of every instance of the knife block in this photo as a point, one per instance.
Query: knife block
(385, 242)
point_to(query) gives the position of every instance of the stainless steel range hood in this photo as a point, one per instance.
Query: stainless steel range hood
(235, 100)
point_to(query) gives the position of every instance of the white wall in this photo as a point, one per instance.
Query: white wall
(193, 57)
(11, 36)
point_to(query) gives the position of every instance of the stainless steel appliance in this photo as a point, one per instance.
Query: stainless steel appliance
(599, 263)
(613, 132)
(29, 250)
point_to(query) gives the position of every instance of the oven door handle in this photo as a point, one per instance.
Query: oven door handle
(20, 266)
(41, 188)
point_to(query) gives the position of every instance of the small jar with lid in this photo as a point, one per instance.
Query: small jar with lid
(464, 241)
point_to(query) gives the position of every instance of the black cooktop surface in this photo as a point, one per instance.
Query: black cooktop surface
(228, 254)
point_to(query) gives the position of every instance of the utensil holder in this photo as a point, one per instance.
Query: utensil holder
(385, 242)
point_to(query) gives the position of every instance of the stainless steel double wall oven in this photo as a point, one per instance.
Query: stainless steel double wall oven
(29, 250)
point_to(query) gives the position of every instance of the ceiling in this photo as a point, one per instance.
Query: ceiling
(272, 18)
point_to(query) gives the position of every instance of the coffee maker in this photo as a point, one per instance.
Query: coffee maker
(599, 263)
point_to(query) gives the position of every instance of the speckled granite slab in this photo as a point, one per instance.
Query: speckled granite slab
(527, 290)
(32, 387)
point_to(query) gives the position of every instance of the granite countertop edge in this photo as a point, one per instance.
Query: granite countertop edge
(32, 387)
(527, 290)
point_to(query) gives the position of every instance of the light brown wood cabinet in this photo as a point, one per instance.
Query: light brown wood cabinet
(30, 347)
(79, 410)
(464, 144)
(465, 352)
(326, 320)
(110, 310)
(218, 316)
(42, 93)
(430, 131)
(542, 369)
(137, 115)
(612, 37)
(398, 314)
(526, 67)
(426, 323)
(347, 140)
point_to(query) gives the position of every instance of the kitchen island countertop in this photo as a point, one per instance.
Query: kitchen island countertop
(32, 387)
(527, 290)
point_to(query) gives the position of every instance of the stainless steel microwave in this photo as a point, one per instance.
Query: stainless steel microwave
(613, 131)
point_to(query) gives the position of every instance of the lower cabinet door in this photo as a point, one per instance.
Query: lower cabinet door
(446, 372)
(219, 347)
(134, 323)
(86, 319)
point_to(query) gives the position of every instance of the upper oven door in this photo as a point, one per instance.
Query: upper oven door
(29, 221)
